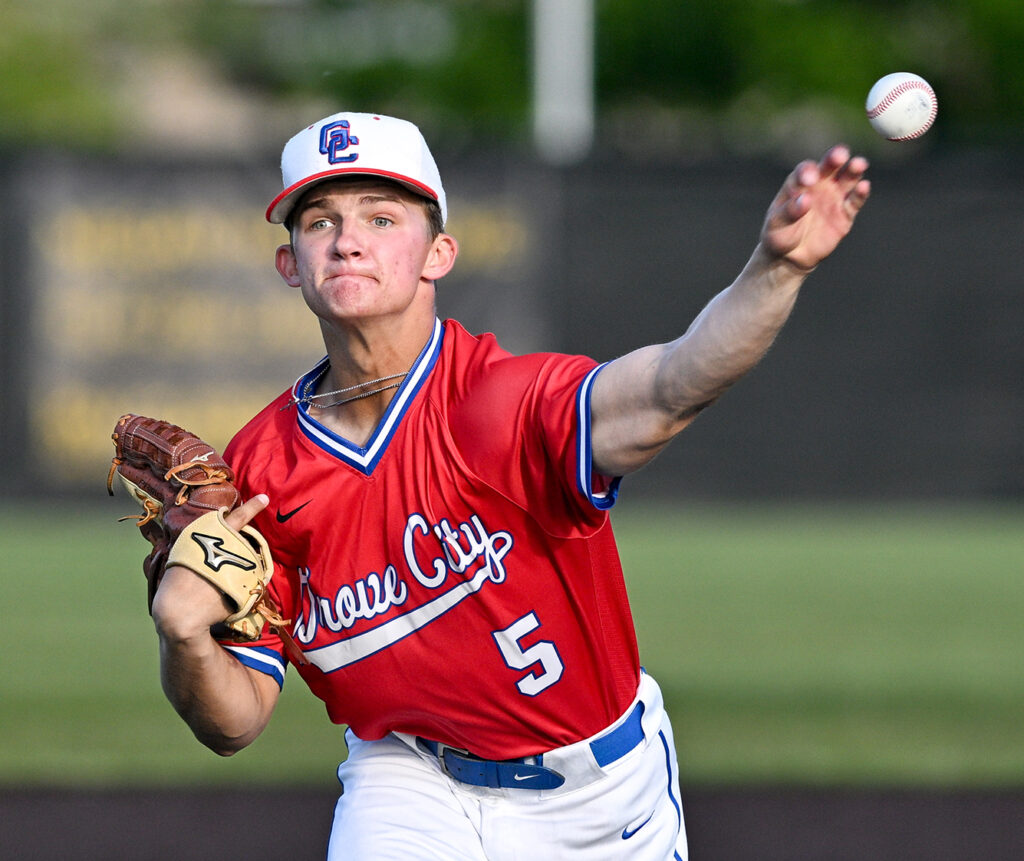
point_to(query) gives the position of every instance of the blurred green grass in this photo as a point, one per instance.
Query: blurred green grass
(835, 644)
(810, 645)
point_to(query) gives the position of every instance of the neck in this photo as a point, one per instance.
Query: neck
(365, 369)
(369, 349)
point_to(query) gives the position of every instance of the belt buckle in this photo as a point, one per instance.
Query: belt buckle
(442, 749)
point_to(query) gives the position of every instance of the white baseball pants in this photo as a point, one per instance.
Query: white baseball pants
(398, 803)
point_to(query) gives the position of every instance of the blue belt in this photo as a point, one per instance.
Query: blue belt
(530, 772)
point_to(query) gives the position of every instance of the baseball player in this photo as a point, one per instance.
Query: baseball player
(437, 510)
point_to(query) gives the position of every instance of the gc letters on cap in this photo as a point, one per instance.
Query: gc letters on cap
(335, 139)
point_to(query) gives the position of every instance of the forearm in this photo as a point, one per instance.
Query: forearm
(214, 694)
(727, 339)
(642, 400)
(225, 704)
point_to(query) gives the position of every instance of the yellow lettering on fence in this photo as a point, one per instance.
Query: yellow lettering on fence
(80, 447)
(131, 240)
(107, 321)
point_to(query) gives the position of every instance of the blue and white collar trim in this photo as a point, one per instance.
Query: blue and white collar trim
(365, 459)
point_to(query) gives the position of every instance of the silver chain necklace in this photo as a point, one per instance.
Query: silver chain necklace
(309, 399)
(354, 397)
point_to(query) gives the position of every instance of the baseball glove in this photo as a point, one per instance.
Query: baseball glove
(185, 487)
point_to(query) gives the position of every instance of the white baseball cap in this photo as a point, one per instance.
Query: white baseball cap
(351, 144)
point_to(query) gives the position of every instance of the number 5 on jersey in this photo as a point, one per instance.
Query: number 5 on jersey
(519, 657)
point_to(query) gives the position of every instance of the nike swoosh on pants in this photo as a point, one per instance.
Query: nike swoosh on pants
(627, 833)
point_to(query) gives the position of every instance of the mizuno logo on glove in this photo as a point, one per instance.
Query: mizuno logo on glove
(216, 555)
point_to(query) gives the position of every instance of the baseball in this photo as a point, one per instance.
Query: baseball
(902, 106)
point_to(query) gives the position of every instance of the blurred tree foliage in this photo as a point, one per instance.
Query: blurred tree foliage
(51, 77)
(732, 67)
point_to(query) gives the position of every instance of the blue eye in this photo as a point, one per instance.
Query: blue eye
(381, 221)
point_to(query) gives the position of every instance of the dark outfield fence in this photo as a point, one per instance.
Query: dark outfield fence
(150, 288)
(722, 824)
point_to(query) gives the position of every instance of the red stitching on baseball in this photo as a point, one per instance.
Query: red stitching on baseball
(898, 91)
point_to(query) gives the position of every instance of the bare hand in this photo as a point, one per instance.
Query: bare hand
(815, 208)
(186, 605)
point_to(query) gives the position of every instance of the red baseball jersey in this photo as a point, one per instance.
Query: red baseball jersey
(455, 577)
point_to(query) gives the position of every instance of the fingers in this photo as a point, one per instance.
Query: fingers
(835, 159)
(791, 202)
(807, 174)
(836, 166)
(839, 164)
(247, 511)
(856, 167)
(803, 177)
(850, 177)
(858, 196)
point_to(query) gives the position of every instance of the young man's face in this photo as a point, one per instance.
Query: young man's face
(361, 248)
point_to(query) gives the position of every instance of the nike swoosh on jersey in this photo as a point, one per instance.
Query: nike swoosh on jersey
(284, 518)
(627, 832)
(524, 776)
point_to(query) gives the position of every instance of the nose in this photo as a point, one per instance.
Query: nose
(348, 240)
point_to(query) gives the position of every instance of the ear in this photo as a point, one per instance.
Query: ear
(287, 265)
(441, 257)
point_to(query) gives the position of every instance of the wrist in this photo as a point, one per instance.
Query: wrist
(185, 607)
(181, 632)
(779, 264)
